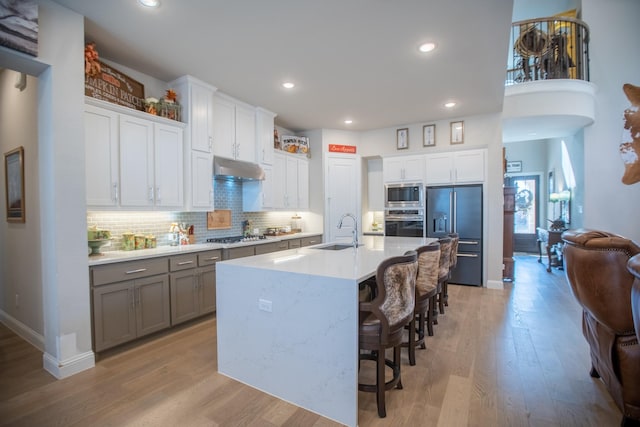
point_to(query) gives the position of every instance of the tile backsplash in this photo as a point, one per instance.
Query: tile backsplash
(228, 195)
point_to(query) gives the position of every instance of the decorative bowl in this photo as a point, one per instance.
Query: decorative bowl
(95, 245)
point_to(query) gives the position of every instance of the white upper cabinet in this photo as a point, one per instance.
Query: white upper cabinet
(458, 167)
(101, 152)
(136, 162)
(245, 133)
(290, 182)
(264, 136)
(234, 129)
(197, 99)
(168, 173)
(131, 160)
(403, 169)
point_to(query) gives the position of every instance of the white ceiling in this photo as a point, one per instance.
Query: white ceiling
(354, 59)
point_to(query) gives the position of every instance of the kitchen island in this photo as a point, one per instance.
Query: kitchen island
(288, 321)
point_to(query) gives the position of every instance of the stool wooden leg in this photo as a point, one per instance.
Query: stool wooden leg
(380, 383)
(412, 341)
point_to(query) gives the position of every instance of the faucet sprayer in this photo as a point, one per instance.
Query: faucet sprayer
(355, 227)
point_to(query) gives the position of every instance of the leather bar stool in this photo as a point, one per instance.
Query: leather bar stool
(382, 321)
(443, 274)
(453, 261)
(426, 288)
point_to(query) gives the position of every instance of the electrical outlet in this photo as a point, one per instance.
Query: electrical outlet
(264, 305)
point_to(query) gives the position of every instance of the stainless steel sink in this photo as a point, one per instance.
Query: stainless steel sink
(336, 247)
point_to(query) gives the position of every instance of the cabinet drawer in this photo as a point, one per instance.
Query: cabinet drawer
(209, 257)
(111, 273)
(294, 243)
(183, 262)
(266, 248)
(311, 240)
(240, 252)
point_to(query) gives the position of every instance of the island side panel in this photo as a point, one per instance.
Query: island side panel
(304, 351)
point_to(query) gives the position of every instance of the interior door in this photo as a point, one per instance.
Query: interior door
(526, 217)
(342, 196)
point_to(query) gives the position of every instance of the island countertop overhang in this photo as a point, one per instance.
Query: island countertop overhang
(349, 263)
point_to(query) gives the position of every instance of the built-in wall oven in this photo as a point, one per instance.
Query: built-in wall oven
(404, 195)
(404, 222)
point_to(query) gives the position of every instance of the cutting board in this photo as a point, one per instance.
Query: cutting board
(219, 219)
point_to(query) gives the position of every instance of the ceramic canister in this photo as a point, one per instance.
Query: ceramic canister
(128, 241)
(139, 241)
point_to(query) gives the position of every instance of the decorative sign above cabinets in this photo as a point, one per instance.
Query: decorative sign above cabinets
(338, 148)
(113, 86)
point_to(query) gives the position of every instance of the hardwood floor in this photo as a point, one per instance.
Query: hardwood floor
(512, 357)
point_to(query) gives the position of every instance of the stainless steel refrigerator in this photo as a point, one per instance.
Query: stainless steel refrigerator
(458, 209)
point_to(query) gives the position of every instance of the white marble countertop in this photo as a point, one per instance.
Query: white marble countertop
(109, 257)
(352, 264)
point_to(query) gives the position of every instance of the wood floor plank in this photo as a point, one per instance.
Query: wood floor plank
(512, 357)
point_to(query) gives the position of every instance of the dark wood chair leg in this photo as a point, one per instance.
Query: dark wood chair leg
(430, 320)
(396, 366)
(380, 383)
(412, 341)
(629, 422)
(441, 302)
(445, 292)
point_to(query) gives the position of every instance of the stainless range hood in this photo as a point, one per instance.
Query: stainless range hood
(224, 168)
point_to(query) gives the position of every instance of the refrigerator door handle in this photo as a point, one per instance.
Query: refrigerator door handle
(468, 242)
(467, 255)
(451, 211)
(454, 220)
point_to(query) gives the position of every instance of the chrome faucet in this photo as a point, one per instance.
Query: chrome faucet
(355, 227)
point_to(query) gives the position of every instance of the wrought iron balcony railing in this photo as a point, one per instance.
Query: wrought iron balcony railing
(548, 48)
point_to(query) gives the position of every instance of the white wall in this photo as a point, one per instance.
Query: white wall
(20, 274)
(64, 269)
(608, 204)
(483, 131)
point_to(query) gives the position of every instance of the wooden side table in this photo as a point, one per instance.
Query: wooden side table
(551, 239)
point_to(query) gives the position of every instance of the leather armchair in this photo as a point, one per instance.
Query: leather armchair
(634, 268)
(596, 268)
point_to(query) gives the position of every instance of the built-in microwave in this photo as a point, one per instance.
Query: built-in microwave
(404, 195)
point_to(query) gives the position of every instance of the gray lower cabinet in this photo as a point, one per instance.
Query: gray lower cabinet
(130, 309)
(294, 243)
(311, 240)
(193, 285)
(240, 252)
(266, 248)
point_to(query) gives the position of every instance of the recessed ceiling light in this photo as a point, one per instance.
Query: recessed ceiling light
(288, 85)
(450, 104)
(149, 3)
(426, 47)
(348, 121)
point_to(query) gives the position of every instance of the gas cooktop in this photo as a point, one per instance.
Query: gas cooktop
(235, 239)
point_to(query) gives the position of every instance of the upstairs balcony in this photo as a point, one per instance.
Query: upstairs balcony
(548, 48)
(547, 93)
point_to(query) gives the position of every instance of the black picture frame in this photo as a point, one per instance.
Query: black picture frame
(14, 185)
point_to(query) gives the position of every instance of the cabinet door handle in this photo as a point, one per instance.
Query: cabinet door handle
(210, 143)
(151, 194)
(468, 242)
(115, 192)
(158, 198)
(139, 270)
(467, 255)
(311, 242)
(185, 262)
(213, 258)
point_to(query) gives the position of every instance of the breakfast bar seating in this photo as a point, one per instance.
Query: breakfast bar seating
(426, 287)
(383, 321)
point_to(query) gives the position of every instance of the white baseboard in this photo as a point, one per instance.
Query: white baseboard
(71, 366)
(495, 284)
(22, 330)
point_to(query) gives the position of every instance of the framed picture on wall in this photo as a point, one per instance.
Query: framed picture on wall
(402, 138)
(429, 135)
(457, 132)
(14, 184)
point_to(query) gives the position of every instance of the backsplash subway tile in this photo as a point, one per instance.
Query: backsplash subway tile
(228, 195)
